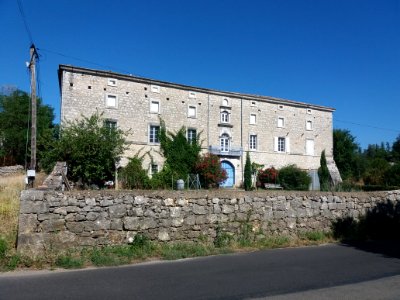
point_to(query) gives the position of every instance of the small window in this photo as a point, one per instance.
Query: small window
(224, 143)
(153, 134)
(253, 142)
(281, 122)
(224, 117)
(155, 106)
(110, 124)
(111, 100)
(253, 103)
(112, 82)
(225, 102)
(192, 95)
(309, 111)
(191, 135)
(192, 112)
(309, 147)
(154, 169)
(155, 88)
(309, 125)
(280, 107)
(282, 144)
(253, 119)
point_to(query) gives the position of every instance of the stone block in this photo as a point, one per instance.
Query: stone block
(175, 212)
(228, 209)
(199, 210)
(117, 211)
(27, 223)
(75, 227)
(131, 223)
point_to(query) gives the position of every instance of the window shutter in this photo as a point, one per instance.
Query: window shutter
(276, 144)
(287, 145)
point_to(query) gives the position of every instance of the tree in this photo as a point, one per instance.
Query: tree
(210, 171)
(323, 173)
(247, 173)
(15, 126)
(345, 152)
(396, 149)
(180, 154)
(91, 149)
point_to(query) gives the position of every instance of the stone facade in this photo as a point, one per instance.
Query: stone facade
(275, 131)
(94, 218)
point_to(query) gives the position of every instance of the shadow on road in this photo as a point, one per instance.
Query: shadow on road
(378, 231)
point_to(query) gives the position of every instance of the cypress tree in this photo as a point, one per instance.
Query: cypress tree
(323, 173)
(247, 173)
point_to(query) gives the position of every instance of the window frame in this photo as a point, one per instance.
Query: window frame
(155, 88)
(251, 122)
(107, 98)
(224, 143)
(154, 131)
(283, 122)
(312, 153)
(191, 135)
(311, 125)
(228, 117)
(112, 82)
(158, 106)
(253, 142)
(194, 108)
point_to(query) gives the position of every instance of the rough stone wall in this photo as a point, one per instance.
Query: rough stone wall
(11, 170)
(84, 93)
(74, 219)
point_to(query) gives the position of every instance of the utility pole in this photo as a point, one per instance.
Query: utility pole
(32, 67)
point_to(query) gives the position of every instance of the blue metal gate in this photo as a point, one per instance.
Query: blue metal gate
(230, 172)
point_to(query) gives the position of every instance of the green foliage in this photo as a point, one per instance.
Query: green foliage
(15, 127)
(180, 154)
(247, 173)
(90, 149)
(222, 238)
(392, 175)
(345, 152)
(3, 248)
(375, 174)
(293, 178)
(133, 176)
(183, 250)
(396, 149)
(68, 261)
(210, 171)
(323, 173)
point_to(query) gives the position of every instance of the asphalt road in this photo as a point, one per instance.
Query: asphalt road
(323, 272)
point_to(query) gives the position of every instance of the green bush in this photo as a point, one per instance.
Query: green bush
(247, 173)
(133, 176)
(3, 248)
(293, 178)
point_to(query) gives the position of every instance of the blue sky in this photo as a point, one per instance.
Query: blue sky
(340, 53)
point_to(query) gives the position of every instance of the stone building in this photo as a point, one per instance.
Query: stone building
(276, 132)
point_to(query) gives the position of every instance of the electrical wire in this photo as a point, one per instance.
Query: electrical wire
(365, 125)
(21, 11)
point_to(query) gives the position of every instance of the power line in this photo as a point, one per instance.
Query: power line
(21, 11)
(370, 126)
(86, 61)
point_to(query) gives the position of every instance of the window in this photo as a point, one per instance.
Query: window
(253, 119)
(281, 122)
(111, 100)
(309, 125)
(253, 142)
(282, 144)
(309, 147)
(153, 135)
(224, 117)
(253, 103)
(224, 143)
(192, 111)
(191, 135)
(309, 111)
(112, 82)
(280, 107)
(155, 88)
(155, 106)
(154, 169)
(192, 95)
(225, 102)
(110, 124)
